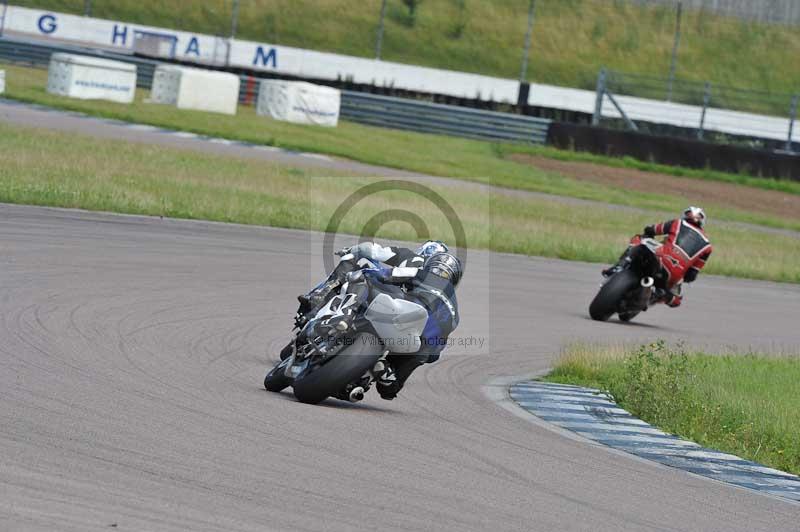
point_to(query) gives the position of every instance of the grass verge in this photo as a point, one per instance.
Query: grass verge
(44, 167)
(744, 405)
(465, 159)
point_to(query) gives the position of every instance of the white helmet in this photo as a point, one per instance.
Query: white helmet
(432, 247)
(695, 216)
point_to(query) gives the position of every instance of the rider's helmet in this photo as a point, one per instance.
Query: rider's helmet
(695, 216)
(444, 266)
(432, 247)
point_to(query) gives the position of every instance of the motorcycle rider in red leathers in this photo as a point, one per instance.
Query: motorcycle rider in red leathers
(685, 251)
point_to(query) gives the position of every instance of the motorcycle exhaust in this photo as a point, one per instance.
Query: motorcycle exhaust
(356, 394)
(648, 282)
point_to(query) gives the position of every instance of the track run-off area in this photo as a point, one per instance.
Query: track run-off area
(133, 351)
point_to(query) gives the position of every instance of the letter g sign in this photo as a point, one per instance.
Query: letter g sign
(47, 24)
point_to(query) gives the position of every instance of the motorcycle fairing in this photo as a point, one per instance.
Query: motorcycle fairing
(399, 323)
(337, 304)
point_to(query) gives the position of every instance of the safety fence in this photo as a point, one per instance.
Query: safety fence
(427, 117)
(776, 11)
(701, 109)
(382, 111)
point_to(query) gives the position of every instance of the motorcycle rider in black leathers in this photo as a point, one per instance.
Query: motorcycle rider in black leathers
(429, 282)
(390, 256)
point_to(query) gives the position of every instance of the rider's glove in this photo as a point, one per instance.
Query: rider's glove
(650, 231)
(342, 252)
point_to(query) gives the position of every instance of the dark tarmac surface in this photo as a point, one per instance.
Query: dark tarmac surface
(133, 352)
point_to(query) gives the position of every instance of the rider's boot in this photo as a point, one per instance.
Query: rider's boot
(402, 366)
(672, 298)
(620, 265)
(314, 299)
(608, 272)
(386, 382)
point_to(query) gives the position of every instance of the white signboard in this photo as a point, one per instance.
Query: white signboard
(299, 102)
(89, 78)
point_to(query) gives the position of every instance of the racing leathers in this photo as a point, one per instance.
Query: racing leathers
(390, 256)
(684, 253)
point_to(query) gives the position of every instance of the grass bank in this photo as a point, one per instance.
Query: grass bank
(465, 159)
(744, 405)
(572, 39)
(43, 167)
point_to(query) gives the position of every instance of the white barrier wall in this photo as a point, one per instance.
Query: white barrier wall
(266, 57)
(327, 66)
(166, 84)
(299, 102)
(196, 89)
(89, 78)
(2, 81)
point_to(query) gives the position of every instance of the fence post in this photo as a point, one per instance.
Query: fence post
(523, 74)
(87, 8)
(601, 93)
(673, 65)
(379, 39)
(706, 102)
(628, 122)
(3, 18)
(792, 120)
(234, 29)
(234, 19)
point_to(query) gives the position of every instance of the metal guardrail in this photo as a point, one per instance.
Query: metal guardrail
(38, 55)
(381, 111)
(399, 113)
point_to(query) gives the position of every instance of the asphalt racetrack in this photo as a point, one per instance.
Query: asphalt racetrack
(133, 352)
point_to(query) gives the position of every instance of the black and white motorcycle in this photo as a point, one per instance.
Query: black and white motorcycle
(346, 365)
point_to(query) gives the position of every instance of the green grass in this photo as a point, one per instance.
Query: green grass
(745, 405)
(56, 169)
(572, 39)
(470, 160)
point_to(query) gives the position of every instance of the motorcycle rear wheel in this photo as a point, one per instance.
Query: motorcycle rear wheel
(607, 300)
(343, 369)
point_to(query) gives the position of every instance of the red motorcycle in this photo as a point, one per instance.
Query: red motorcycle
(637, 282)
